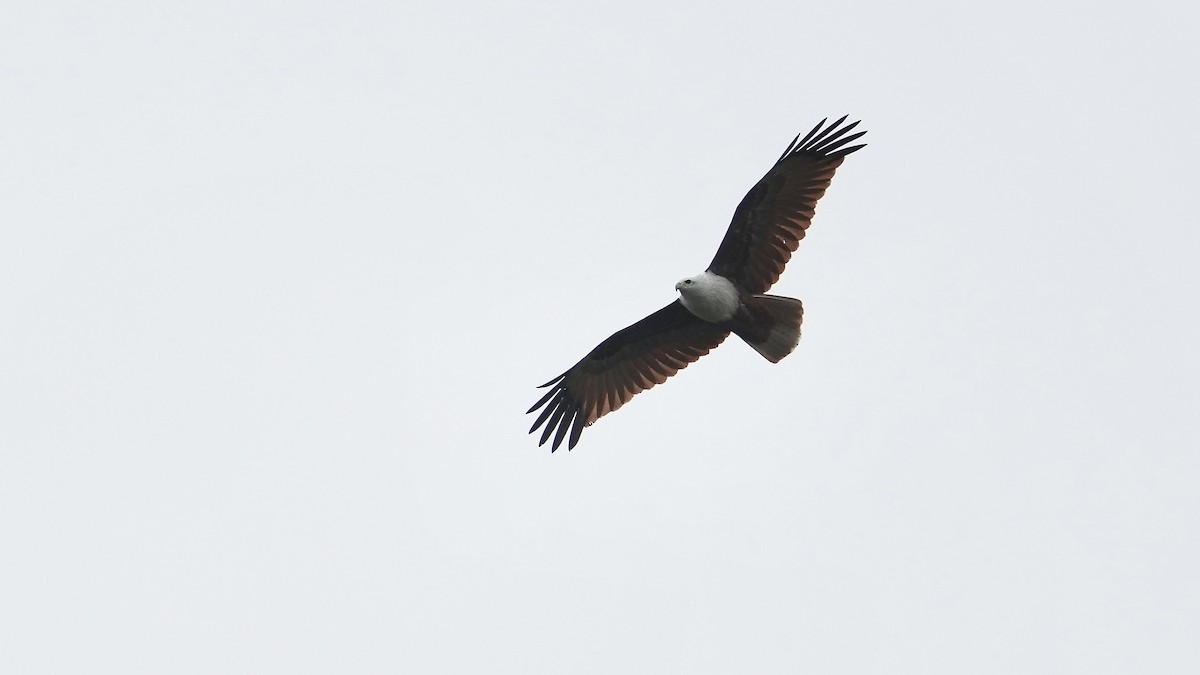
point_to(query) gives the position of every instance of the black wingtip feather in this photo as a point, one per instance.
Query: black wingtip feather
(564, 426)
(545, 414)
(577, 429)
(826, 141)
(560, 408)
(561, 417)
(820, 138)
(788, 150)
(810, 134)
(830, 148)
(542, 401)
(829, 140)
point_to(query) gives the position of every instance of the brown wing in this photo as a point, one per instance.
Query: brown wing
(630, 361)
(770, 222)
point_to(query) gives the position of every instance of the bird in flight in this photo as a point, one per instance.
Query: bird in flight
(727, 297)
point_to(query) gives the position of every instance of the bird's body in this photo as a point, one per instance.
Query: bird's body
(727, 297)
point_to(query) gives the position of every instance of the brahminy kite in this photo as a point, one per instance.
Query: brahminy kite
(727, 297)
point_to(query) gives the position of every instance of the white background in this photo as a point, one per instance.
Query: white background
(277, 280)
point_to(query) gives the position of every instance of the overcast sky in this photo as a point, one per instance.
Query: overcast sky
(278, 279)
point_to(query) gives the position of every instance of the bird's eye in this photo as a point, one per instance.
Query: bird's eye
(687, 282)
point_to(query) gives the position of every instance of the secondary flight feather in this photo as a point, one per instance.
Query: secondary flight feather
(728, 297)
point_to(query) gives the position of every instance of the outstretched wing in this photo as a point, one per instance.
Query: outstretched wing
(631, 360)
(770, 222)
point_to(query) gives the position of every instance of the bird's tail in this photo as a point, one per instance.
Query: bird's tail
(770, 324)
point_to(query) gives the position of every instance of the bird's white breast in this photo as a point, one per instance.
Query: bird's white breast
(709, 296)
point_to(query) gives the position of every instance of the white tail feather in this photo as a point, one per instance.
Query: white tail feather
(773, 328)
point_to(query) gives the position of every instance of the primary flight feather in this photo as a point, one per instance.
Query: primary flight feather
(727, 297)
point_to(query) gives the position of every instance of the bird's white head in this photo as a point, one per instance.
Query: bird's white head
(709, 296)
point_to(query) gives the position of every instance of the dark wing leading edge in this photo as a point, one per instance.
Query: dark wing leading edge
(631, 360)
(770, 222)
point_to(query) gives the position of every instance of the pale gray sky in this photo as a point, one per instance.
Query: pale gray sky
(278, 280)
